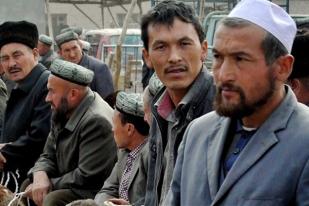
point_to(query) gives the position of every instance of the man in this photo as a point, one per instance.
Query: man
(174, 47)
(80, 151)
(127, 182)
(70, 50)
(254, 149)
(299, 78)
(27, 117)
(47, 55)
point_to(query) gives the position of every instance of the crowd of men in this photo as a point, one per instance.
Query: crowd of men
(235, 136)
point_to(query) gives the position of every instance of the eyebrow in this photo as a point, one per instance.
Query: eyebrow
(236, 53)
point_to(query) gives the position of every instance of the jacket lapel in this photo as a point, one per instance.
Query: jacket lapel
(260, 143)
(216, 145)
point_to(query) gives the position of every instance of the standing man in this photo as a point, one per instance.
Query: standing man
(27, 117)
(174, 47)
(299, 78)
(254, 149)
(70, 49)
(47, 55)
(80, 151)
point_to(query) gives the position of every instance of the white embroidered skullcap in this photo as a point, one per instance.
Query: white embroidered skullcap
(270, 17)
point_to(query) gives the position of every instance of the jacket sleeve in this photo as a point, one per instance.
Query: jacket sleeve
(103, 80)
(3, 99)
(47, 160)
(34, 137)
(302, 193)
(111, 186)
(97, 156)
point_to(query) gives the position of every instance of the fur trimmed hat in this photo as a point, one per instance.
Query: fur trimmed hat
(19, 32)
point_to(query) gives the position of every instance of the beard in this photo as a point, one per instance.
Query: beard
(60, 115)
(243, 108)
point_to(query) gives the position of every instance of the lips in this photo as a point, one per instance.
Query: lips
(14, 70)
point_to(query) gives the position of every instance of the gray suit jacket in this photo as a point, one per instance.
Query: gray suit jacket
(272, 169)
(137, 183)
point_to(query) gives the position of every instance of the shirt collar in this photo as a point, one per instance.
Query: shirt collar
(133, 154)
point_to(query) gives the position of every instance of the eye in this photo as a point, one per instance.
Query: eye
(159, 47)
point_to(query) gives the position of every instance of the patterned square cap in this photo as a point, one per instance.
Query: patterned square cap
(66, 37)
(71, 72)
(45, 39)
(130, 103)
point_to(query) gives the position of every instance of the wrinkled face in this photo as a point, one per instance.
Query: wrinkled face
(244, 81)
(120, 131)
(175, 53)
(71, 51)
(43, 48)
(18, 60)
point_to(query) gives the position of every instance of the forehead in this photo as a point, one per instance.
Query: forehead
(69, 44)
(239, 38)
(55, 82)
(14, 47)
(178, 29)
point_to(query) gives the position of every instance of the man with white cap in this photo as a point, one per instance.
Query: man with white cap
(80, 151)
(253, 149)
(47, 54)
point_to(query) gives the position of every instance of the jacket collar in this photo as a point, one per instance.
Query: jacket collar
(27, 83)
(80, 111)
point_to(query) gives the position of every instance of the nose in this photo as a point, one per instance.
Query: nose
(225, 72)
(12, 62)
(174, 55)
(47, 98)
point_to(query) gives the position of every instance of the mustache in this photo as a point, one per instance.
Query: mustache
(228, 87)
(175, 68)
(14, 69)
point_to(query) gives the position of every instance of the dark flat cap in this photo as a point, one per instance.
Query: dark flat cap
(71, 72)
(19, 32)
(66, 37)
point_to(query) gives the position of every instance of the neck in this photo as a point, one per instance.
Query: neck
(256, 119)
(177, 95)
(136, 140)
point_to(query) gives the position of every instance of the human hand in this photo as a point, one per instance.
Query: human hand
(87, 202)
(40, 187)
(2, 161)
(118, 201)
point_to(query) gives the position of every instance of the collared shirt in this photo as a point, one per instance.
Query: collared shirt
(172, 115)
(124, 182)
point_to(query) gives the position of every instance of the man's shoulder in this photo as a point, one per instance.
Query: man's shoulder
(95, 61)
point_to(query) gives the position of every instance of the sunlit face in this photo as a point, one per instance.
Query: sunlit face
(175, 53)
(244, 81)
(120, 131)
(71, 51)
(57, 90)
(18, 60)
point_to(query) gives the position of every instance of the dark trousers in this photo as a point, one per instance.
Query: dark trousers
(55, 198)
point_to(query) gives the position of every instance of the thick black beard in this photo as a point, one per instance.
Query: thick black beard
(243, 109)
(59, 116)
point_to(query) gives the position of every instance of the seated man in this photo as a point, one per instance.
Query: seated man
(127, 182)
(80, 151)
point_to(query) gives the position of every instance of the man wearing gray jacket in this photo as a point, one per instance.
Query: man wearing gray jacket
(254, 149)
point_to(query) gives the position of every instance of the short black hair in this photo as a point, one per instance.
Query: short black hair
(165, 13)
(139, 123)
